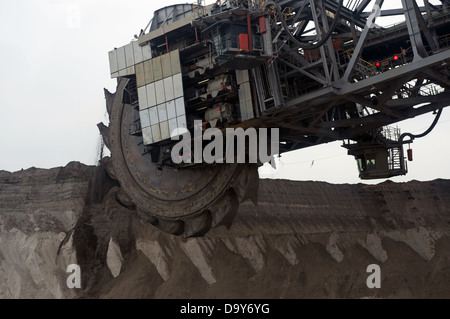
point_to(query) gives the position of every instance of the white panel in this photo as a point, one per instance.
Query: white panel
(242, 76)
(241, 94)
(250, 110)
(156, 133)
(127, 71)
(113, 67)
(151, 94)
(121, 62)
(154, 119)
(129, 55)
(165, 64)
(146, 52)
(181, 121)
(245, 92)
(175, 61)
(115, 75)
(168, 88)
(140, 76)
(246, 76)
(138, 58)
(173, 125)
(248, 91)
(145, 118)
(245, 101)
(178, 85)
(165, 134)
(162, 112)
(142, 96)
(130, 70)
(147, 135)
(148, 71)
(179, 105)
(239, 79)
(171, 113)
(160, 95)
(157, 68)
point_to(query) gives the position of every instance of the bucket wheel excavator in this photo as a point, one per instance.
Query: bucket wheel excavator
(301, 73)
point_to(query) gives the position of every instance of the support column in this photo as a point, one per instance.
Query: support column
(360, 45)
(412, 22)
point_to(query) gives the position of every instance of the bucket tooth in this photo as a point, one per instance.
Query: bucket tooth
(104, 131)
(109, 100)
(198, 225)
(172, 227)
(246, 184)
(225, 209)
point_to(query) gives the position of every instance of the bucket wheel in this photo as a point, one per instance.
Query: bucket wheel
(187, 202)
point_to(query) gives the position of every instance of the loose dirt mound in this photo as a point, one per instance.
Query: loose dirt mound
(303, 240)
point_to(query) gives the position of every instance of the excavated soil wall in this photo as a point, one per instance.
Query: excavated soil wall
(302, 240)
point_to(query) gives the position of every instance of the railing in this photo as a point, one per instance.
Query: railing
(389, 137)
(257, 3)
(352, 6)
(366, 68)
(362, 66)
(401, 25)
(200, 10)
(391, 133)
(424, 90)
(252, 4)
(288, 12)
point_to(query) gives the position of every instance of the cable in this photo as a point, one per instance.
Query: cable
(413, 136)
(312, 160)
(298, 43)
(421, 129)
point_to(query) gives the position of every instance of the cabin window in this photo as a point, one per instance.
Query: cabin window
(371, 162)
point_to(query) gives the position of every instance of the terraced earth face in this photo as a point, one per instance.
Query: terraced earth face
(302, 240)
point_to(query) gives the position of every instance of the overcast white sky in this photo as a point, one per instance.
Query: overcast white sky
(54, 66)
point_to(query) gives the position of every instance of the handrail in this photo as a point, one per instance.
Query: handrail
(201, 10)
(400, 25)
